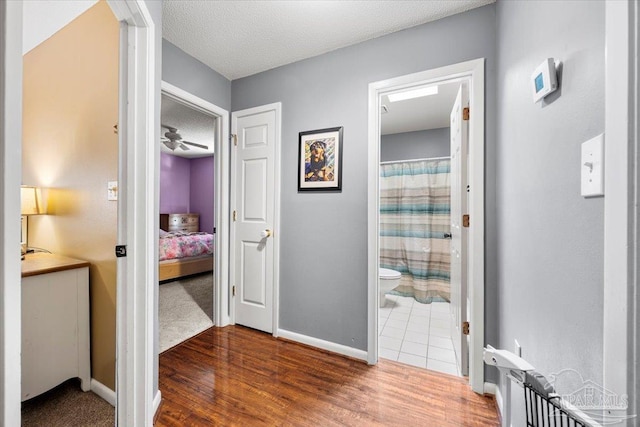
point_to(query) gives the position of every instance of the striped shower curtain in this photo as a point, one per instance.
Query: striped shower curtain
(414, 216)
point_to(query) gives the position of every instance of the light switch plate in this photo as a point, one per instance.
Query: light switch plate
(592, 167)
(112, 190)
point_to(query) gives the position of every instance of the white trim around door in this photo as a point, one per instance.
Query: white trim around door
(473, 71)
(221, 194)
(11, 161)
(137, 220)
(621, 334)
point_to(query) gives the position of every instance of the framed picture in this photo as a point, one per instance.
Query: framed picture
(320, 160)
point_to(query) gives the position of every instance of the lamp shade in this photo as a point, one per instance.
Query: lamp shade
(31, 201)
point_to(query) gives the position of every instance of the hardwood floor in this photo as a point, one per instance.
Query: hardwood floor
(238, 376)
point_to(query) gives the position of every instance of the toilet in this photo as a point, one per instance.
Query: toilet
(389, 279)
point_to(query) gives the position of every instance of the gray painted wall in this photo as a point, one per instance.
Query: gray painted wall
(187, 73)
(550, 239)
(184, 71)
(327, 232)
(415, 145)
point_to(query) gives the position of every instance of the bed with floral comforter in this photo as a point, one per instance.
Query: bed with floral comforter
(181, 254)
(180, 245)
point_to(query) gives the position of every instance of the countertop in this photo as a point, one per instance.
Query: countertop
(42, 263)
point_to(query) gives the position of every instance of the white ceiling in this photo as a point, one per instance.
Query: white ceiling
(192, 125)
(241, 38)
(43, 18)
(427, 112)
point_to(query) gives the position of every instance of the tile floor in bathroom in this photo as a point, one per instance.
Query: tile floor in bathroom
(417, 334)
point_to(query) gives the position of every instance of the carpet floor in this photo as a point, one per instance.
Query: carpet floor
(185, 309)
(67, 405)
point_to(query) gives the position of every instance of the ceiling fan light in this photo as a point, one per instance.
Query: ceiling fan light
(171, 144)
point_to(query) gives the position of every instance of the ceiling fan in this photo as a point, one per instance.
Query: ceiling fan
(172, 139)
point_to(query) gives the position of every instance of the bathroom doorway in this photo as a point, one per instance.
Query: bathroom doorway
(418, 317)
(415, 227)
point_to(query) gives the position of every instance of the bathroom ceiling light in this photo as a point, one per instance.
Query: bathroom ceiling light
(415, 93)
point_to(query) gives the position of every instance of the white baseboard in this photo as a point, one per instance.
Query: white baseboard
(110, 396)
(490, 388)
(156, 402)
(324, 345)
(103, 391)
(494, 389)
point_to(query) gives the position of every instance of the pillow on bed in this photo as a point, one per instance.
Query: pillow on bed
(162, 233)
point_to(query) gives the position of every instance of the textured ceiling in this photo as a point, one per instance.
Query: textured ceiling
(192, 125)
(241, 38)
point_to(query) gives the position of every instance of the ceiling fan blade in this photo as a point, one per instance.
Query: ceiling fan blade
(204, 147)
(184, 147)
(169, 128)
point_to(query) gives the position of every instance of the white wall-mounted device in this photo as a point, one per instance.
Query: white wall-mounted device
(544, 80)
(592, 164)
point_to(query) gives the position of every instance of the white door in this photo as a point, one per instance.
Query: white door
(459, 139)
(253, 185)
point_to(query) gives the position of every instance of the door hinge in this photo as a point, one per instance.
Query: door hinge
(465, 113)
(233, 137)
(233, 290)
(235, 215)
(121, 251)
(465, 220)
(465, 328)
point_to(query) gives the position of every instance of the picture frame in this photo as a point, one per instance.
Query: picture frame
(320, 160)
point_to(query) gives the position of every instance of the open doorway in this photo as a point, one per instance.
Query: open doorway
(416, 180)
(188, 118)
(471, 73)
(70, 168)
(134, 318)
(186, 235)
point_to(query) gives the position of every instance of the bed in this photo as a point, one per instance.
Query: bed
(182, 249)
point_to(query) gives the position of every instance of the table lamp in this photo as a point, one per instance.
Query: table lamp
(31, 203)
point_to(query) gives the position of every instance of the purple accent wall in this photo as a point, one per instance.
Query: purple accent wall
(186, 186)
(202, 191)
(175, 183)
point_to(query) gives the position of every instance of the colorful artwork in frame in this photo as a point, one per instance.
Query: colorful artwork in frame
(320, 160)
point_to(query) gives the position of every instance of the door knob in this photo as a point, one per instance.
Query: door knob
(265, 233)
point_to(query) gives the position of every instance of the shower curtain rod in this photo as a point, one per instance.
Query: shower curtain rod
(415, 160)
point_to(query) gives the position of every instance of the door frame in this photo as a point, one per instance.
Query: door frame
(472, 70)
(621, 304)
(138, 134)
(221, 194)
(277, 107)
(136, 298)
(11, 160)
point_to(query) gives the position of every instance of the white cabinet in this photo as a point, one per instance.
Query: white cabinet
(55, 323)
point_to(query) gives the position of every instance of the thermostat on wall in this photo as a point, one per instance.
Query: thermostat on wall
(543, 79)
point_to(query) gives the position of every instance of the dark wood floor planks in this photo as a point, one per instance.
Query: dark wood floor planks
(237, 376)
